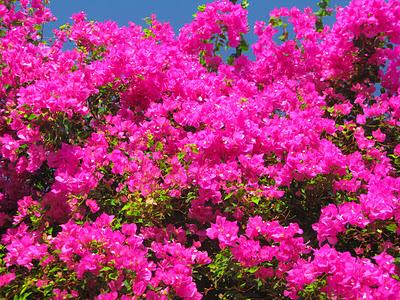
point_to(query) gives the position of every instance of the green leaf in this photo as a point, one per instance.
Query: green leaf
(252, 270)
(148, 33)
(275, 22)
(105, 269)
(230, 60)
(323, 4)
(201, 7)
(391, 227)
(255, 200)
(283, 37)
(244, 46)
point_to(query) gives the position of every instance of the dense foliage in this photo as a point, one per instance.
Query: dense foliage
(140, 164)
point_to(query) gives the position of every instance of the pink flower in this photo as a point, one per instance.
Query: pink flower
(108, 296)
(386, 262)
(92, 204)
(397, 150)
(3, 10)
(378, 135)
(5, 279)
(223, 230)
(264, 273)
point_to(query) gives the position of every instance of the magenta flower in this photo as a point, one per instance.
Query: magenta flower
(6, 279)
(223, 230)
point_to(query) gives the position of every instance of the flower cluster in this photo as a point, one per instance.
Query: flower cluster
(140, 164)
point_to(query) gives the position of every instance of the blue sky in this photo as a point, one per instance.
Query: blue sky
(176, 12)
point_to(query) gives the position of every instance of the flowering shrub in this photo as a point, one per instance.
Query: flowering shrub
(140, 164)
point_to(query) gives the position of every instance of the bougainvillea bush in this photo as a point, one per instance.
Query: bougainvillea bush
(136, 163)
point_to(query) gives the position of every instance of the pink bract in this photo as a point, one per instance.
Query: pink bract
(143, 164)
